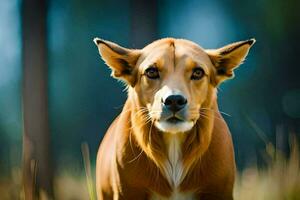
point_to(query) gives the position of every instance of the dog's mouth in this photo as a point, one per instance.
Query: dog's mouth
(174, 120)
(174, 124)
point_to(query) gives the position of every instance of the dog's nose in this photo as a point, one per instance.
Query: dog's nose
(175, 102)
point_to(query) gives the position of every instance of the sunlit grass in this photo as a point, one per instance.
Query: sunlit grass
(68, 187)
(280, 180)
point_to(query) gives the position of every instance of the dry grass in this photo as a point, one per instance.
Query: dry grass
(279, 181)
(71, 188)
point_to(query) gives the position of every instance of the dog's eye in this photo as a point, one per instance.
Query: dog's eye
(152, 73)
(197, 74)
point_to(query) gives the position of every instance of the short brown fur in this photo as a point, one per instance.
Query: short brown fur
(131, 162)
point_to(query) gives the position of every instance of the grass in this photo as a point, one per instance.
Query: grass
(280, 180)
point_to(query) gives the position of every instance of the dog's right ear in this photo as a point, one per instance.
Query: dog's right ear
(122, 61)
(228, 58)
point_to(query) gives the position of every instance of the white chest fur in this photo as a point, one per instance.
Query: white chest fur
(173, 165)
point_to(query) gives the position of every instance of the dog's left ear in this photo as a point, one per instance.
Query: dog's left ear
(121, 60)
(229, 57)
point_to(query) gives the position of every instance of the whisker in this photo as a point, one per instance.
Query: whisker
(208, 117)
(216, 111)
(130, 141)
(225, 114)
(150, 132)
(135, 158)
(141, 109)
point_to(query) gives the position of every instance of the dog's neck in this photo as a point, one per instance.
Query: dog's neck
(173, 165)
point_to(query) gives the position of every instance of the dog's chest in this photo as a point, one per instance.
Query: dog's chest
(173, 167)
(174, 170)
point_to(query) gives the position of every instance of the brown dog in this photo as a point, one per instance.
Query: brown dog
(170, 141)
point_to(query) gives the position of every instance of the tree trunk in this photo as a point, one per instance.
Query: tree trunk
(37, 171)
(143, 18)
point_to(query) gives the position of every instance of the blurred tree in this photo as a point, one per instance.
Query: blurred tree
(37, 174)
(144, 26)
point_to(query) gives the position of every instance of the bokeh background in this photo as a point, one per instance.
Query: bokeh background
(263, 100)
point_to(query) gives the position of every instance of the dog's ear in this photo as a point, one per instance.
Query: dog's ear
(121, 60)
(229, 57)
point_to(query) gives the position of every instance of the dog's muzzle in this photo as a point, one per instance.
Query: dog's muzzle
(175, 103)
(173, 115)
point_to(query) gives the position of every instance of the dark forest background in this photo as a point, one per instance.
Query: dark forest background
(81, 99)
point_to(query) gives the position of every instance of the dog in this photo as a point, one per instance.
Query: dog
(170, 140)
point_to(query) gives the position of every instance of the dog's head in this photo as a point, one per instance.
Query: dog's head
(173, 79)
